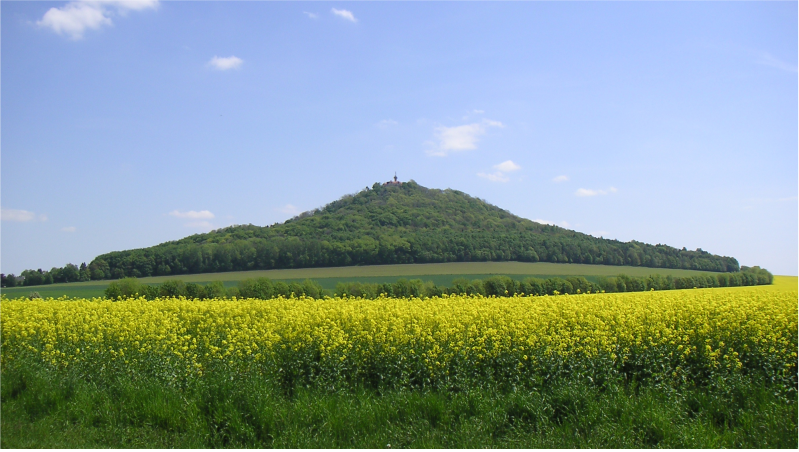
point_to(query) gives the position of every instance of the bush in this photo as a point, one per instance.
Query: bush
(125, 288)
(213, 289)
(172, 288)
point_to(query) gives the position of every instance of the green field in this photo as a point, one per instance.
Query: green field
(440, 274)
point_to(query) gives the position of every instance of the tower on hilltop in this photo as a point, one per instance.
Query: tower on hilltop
(393, 182)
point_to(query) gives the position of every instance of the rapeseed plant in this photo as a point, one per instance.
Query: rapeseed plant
(677, 337)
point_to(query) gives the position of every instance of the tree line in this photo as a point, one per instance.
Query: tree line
(499, 286)
(67, 273)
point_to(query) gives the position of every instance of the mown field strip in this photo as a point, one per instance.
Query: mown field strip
(450, 268)
(329, 276)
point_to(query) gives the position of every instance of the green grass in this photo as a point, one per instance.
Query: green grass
(45, 409)
(440, 274)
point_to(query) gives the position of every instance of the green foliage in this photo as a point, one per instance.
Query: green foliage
(394, 225)
(172, 288)
(8, 280)
(499, 286)
(46, 409)
(131, 287)
(761, 275)
(124, 288)
(215, 289)
(257, 288)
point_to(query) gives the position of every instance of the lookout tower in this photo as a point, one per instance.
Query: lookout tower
(393, 182)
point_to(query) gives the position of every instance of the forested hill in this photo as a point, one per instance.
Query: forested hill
(392, 225)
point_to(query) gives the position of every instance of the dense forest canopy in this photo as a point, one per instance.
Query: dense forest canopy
(400, 224)
(396, 224)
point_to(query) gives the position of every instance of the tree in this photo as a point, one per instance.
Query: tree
(172, 288)
(70, 273)
(32, 277)
(85, 275)
(125, 288)
(214, 289)
(8, 280)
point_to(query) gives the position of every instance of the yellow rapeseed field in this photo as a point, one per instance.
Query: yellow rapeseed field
(681, 335)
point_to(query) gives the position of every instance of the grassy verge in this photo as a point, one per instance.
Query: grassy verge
(45, 409)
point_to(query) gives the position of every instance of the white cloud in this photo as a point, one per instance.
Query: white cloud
(460, 138)
(590, 192)
(599, 233)
(507, 166)
(491, 123)
(16, 215)
(560, 179)
(311, 15)
(69, 229)
(769, 60)
(223, 64)
(478, 112)
(193, 215)
(587, 192)
(74, 18)
(344, 14)
(497, 176)
(290, 209)
(386, 123)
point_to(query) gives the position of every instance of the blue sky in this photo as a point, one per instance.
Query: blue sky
(128, 124)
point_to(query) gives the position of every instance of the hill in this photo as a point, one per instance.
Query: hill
(398, 224)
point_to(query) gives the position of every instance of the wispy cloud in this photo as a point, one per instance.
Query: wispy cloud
(290, 209)
(386, 123)
(69, 229)
(311, 15)
(560, 179)
(20, 216)
(478, 112)
(344, 14)
(224, 64)
(752, 202)
(193, 214)
(74, 18)
(589, 192)
(769, 60)
(459, 138)
(496, 176)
